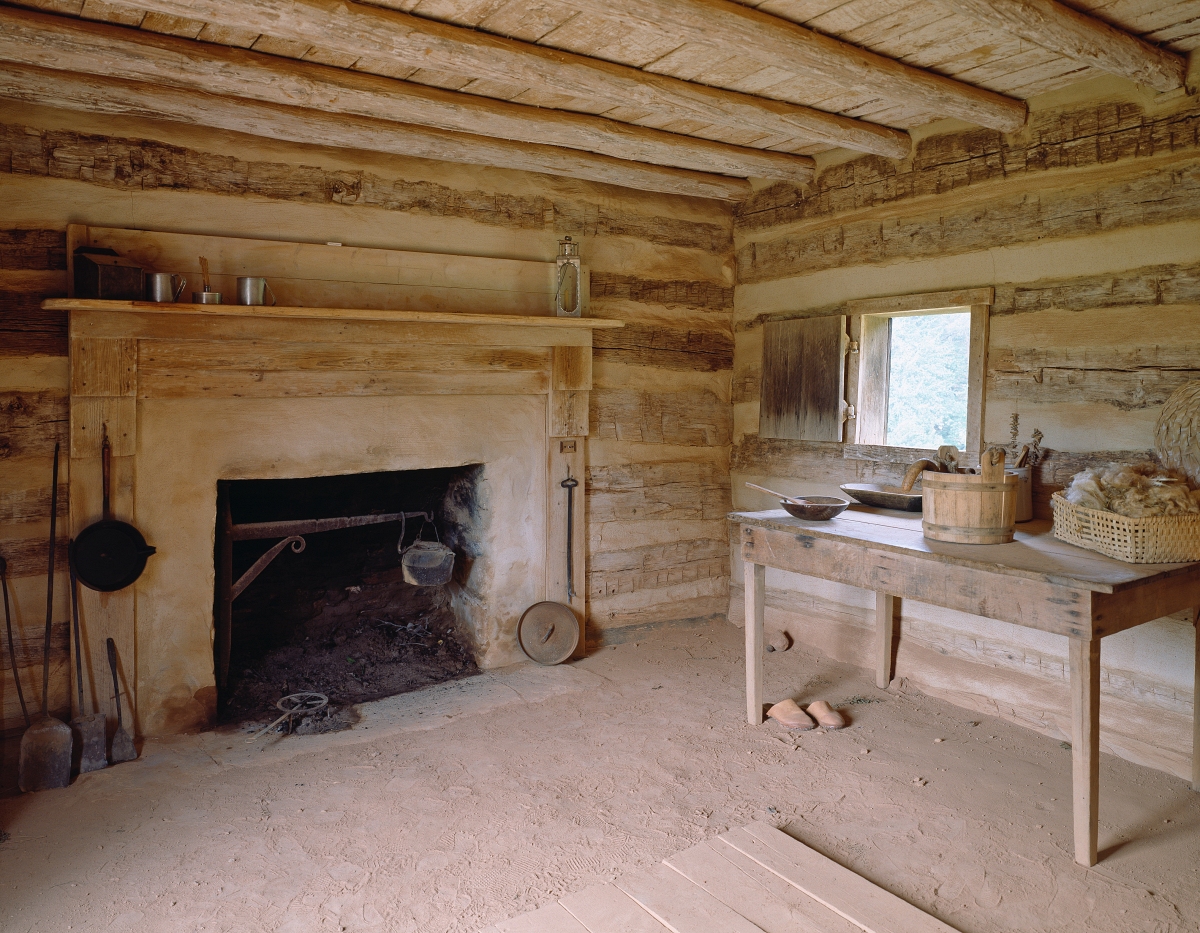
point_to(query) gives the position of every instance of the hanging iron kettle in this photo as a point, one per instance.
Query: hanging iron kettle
(426, 563)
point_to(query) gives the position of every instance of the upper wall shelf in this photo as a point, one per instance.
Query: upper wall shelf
(328, 314)
(313, 276)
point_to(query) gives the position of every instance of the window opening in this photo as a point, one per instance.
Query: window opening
(929, 356)
(915, 358)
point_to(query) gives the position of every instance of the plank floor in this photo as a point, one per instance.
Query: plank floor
(754, 879)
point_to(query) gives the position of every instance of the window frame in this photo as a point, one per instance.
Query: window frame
(869, 373)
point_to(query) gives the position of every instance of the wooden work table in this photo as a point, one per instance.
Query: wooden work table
(1036, 581)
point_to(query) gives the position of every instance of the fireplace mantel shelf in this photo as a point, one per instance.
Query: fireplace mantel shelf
(327, 314)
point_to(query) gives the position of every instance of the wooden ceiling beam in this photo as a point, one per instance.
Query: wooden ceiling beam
(66, 44)
(295, 124)
(359, 29)
(772, 40)
(1082, 38)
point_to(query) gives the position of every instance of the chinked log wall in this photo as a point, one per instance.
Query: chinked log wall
(660, 419)
(1088, 225)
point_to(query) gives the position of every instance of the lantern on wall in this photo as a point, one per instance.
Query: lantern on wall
(568, 293)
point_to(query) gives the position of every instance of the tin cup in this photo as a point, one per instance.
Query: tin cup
(251, 289)
(161, 287)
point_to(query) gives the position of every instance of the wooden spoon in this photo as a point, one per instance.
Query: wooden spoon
(779, 495)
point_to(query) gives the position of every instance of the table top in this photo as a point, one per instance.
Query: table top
(1034, 553)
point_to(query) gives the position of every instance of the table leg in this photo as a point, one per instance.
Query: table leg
(885, 620)
(1196, 706)
(756, 585)
(1085, 745)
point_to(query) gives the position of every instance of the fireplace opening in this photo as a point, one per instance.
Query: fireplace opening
(333, 613)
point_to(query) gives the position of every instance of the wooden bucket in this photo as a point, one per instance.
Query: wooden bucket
(966, 509)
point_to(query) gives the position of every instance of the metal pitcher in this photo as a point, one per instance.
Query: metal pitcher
(250, 289)
(161, 287)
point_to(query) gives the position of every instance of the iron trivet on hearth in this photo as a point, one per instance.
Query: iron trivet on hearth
(295, 704)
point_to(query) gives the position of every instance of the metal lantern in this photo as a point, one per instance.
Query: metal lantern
(568, 293)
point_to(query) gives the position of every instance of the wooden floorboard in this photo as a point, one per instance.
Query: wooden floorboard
(755, 879)
(681, 906)
(605, 908)
(838, 888)
(760, 896)
(553, 918)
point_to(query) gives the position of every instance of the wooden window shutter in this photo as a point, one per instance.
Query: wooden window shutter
(803, 372)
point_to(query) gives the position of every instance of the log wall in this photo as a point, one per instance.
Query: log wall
(661, 422)
(1087, 223)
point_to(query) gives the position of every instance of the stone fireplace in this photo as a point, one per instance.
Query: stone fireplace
(195, 395)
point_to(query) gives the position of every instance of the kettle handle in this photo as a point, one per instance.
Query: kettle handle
(421, 531)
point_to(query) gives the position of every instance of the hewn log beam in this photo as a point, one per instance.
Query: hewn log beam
(113, 51)
(420, 43)
(106, 95)
(1068, 32)
(744, 30)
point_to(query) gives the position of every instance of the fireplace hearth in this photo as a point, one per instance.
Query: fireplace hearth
(333, 613)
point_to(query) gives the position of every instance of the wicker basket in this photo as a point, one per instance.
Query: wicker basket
(1159, 539)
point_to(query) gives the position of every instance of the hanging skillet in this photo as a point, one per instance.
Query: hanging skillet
(110, 554)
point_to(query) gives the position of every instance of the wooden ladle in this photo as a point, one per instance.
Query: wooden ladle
(778, 495)
(916, 470)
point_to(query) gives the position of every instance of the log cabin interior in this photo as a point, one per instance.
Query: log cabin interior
(545, 288)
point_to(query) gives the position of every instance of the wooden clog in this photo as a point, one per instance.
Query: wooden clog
(826, 716)
(791, 715)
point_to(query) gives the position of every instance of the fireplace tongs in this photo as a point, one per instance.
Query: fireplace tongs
(293, 532)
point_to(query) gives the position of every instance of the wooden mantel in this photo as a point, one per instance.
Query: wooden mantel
(136, 349)
(331, 314)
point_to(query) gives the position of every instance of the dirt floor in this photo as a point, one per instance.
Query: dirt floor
(466, 803)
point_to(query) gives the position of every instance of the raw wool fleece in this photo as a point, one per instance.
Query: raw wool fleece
(1135, 490)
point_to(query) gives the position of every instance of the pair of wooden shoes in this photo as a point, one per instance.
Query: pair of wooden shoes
(789, 713)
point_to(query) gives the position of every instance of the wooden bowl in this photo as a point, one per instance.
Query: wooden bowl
(884, 497)
(815, 508)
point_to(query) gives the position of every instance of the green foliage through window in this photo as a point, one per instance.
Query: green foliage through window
(927, 385)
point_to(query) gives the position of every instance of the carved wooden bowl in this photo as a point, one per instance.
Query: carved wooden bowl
(815, 508)
(884, 497)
